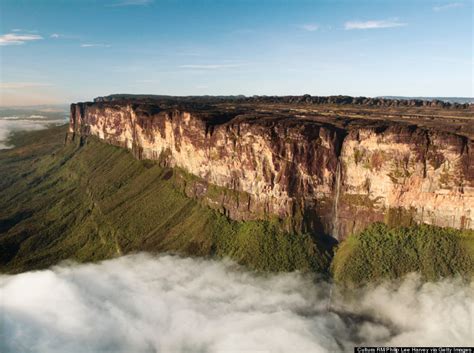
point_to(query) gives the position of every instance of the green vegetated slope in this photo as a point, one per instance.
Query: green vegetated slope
(380, 252)
(96, 201)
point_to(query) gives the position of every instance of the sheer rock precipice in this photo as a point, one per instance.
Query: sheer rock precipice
(322, 169)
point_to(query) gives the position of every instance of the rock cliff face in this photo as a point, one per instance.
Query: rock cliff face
(320, 173)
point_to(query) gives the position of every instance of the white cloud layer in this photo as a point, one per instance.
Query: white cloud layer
(17, 39)
(167, 304)
(10, 124)
(374, 24)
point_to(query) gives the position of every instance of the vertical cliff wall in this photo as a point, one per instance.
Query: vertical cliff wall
(322, 176)
(407, 173)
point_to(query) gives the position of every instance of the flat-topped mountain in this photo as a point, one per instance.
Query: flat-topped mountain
(329, 165)
(275, 186)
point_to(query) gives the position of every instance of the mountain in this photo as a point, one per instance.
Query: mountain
(315, 168)
(277, 187)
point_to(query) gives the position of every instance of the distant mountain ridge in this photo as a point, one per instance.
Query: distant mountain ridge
(449, 103)
(460, 100)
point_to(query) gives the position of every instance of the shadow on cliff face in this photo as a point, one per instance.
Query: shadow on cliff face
(313, 225)
(140, 303)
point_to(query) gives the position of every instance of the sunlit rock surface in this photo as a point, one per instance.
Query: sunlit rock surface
(321, 168)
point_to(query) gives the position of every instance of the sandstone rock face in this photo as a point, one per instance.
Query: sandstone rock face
(425, 176)
(331, 176)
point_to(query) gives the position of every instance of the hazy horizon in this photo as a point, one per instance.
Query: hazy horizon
(66, 104)
(363, 48)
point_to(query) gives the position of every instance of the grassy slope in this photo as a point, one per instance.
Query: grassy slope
(96, 201)
(380, 252)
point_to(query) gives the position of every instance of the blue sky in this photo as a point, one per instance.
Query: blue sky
(71, 50)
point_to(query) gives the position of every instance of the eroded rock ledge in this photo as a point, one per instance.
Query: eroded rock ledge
(326, 169)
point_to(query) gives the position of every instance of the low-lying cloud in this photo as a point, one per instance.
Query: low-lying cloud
(140, 303)
(11, 124)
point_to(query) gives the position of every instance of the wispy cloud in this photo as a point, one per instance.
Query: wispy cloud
(209, 66)
(95, 45)
(147, 81)
(373, 24)
(17, 39)
(64, 36)
(20, 85)
(24, 30)
(310, 27)
(131, 3)
(449, 6)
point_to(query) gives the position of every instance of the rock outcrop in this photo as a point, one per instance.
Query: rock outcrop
(319, 172)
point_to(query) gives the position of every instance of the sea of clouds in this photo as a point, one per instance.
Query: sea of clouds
(144, 303)
(25, 122)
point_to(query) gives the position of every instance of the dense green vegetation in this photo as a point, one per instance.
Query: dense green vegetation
(381, 252)
(96, 201)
